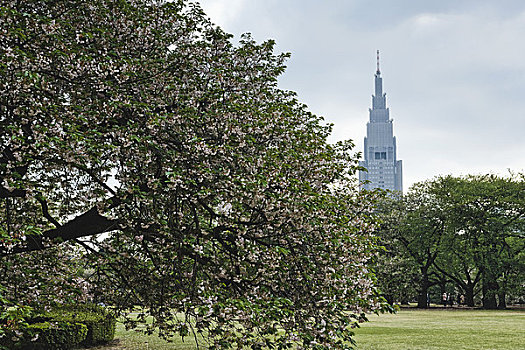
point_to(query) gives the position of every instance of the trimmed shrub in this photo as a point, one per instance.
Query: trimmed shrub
(46, 336)
(100, 323)
(63, 328)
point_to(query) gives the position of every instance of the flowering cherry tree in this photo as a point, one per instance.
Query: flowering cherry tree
(136, 137)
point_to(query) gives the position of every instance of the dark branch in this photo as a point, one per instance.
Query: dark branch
(88, 224)
(16, 193)
(45, 210)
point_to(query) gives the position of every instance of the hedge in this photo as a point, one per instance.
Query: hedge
(46, 336)
(100, 323)
(63, 328)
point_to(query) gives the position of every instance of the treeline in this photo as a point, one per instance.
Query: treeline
(463, 236)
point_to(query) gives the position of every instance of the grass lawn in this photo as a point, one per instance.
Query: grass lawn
(132, 340)
(448, 329)
(409, 329)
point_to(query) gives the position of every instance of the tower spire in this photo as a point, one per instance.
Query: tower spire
(378, 71)
(379, 99)
(380, 151)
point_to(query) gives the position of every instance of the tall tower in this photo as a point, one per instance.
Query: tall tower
(384, 170)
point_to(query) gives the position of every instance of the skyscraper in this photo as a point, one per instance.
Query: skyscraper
(384, 170)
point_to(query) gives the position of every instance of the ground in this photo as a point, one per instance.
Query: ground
(409, 329)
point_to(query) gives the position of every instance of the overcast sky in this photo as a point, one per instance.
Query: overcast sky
(453, 72)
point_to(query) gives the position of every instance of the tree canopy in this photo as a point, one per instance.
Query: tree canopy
(139, 143)
(467, 232)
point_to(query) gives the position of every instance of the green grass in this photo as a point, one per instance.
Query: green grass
(133, 340)
(435, 329)
(412, 329)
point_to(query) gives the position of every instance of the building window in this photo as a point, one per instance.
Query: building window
(380, 155)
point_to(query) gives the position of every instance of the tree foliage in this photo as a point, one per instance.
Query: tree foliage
(137, 138)
(412, 230)
(465, 231)
(487, 215)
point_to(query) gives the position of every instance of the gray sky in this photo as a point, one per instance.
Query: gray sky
(453, 71)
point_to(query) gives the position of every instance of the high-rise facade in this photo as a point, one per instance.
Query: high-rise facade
(380, 154)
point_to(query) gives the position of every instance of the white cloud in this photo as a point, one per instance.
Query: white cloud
(427, 20)
(223, 12)
(453, 72)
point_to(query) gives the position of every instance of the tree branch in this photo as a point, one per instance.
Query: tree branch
(45, 210)
(87, 224)
(16, 193)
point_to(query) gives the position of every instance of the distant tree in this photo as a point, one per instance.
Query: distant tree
(456, 262)
(466, 230)
(397, 278)
(413, 227)
(487, 221)
(512, 280)
(136, 131)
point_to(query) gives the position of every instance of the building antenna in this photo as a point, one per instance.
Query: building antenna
(378, 71)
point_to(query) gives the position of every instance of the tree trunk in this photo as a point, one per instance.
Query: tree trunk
(422, 298)
(489, 295)
(469, 295)
(423, 291)
(502, 303)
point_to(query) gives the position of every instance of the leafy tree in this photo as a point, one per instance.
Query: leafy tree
(136, 131)
(487, 220)
(39, 278)
(397, 277)
(514, 270)
(466, 230)
(413, 229)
